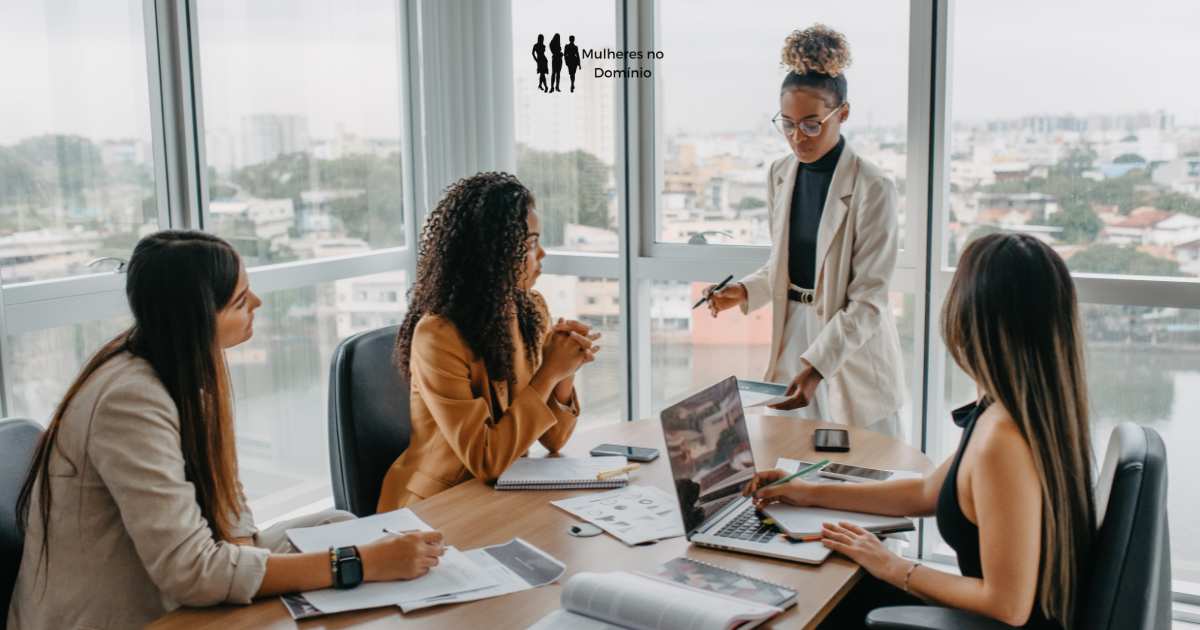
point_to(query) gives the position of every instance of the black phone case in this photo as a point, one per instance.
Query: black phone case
(831, 448)
(653, 457)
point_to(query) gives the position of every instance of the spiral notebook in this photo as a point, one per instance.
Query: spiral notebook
(562, 473)
(698, 574)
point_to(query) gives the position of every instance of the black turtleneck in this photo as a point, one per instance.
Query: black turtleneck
(808, 201)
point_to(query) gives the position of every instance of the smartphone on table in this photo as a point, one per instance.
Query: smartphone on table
(632, 453)
(835, 440)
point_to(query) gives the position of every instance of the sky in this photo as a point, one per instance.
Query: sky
(80, 66)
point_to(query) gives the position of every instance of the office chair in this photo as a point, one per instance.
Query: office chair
(18, 439)
(1129, 582)
(369, 422)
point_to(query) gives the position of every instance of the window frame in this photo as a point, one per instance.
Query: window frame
(176, 106)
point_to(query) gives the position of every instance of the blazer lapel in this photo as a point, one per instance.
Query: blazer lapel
(837, 203)
(783, 203)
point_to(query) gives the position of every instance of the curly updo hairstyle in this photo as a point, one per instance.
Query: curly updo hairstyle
(816, 58)
(469, 264)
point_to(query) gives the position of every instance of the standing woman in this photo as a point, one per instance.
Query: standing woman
(834, 246)
(490, 375)
(539, 57)
(556, 61)
(133, 506)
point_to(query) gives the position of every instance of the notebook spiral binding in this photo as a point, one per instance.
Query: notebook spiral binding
(565, 485)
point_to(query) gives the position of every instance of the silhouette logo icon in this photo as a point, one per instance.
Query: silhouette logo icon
(553, 65)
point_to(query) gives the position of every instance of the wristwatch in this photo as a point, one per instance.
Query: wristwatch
(346, 566)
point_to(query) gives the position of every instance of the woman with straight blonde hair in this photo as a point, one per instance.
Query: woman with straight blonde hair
(1015, 501)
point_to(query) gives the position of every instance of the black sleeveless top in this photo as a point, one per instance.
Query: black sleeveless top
(958, 532)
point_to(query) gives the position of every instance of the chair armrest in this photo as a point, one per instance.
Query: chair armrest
(930, 618)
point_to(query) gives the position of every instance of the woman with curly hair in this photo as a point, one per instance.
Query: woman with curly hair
(489, 374)
(834, 235)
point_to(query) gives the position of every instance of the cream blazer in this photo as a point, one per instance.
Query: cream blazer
(857, 350)
(127, 541)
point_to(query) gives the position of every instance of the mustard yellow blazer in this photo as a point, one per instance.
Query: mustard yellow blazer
(464, 424)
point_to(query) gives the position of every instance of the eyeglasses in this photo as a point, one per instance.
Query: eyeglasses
(808, 127)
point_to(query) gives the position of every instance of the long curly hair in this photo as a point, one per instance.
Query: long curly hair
(469, 265)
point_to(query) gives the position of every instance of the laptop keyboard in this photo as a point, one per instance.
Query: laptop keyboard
(748, 526)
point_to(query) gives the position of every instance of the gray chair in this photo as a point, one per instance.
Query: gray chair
(18, 440)
(1129, 583)
(369, 423)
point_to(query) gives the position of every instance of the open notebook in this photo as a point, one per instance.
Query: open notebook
(562, 473)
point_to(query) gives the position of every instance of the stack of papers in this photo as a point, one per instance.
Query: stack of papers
(634, 515)
(476, 574)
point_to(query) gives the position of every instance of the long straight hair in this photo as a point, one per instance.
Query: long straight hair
(1011, 321)
(176, 283)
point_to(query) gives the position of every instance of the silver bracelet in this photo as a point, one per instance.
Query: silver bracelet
(907, 575)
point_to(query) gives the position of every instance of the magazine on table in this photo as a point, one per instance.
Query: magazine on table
(642, 602)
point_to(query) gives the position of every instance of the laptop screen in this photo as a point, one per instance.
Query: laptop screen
(709, 450)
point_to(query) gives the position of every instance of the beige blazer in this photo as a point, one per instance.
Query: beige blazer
(857, 350)
(464, 424)
(127, 542)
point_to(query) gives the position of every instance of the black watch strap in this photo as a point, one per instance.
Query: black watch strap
(346, 566)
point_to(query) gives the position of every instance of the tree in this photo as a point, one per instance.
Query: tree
(570, 187)
(372, 209)
(1078, 222)
(1114, 259)
(749, 203)
(75, 162)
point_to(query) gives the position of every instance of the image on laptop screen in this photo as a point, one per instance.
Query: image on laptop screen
(709, 449)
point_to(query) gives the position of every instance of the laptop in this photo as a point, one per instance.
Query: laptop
(711, 462)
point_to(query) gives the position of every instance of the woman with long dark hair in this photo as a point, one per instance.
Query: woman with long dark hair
(1015, 501)
(133, 505)
(490, 374)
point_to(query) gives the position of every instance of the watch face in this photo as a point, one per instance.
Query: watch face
(351, 571)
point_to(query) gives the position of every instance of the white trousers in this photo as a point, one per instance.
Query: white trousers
(799, 331)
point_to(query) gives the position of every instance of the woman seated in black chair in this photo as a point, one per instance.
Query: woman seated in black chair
(133, 506)
(1015, 502)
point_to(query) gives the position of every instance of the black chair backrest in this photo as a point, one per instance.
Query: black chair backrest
(1129, 586)
(369, 422)
(18, 439)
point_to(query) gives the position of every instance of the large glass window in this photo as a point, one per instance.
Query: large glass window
(719, 88)
(1101, 160)
(597, 303)
(43, 363)
(281, 380)
(302, 126)
(77, 177)
(565, 138)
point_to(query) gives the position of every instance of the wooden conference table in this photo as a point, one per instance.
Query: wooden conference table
(474, 515)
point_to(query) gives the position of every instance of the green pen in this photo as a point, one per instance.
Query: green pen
(798, 473)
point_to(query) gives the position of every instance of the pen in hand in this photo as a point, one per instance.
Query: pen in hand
(708, 295)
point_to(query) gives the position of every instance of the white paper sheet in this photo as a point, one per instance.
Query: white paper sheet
(359, 531)
(454, 574)
(515, 566)
(634, 514)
